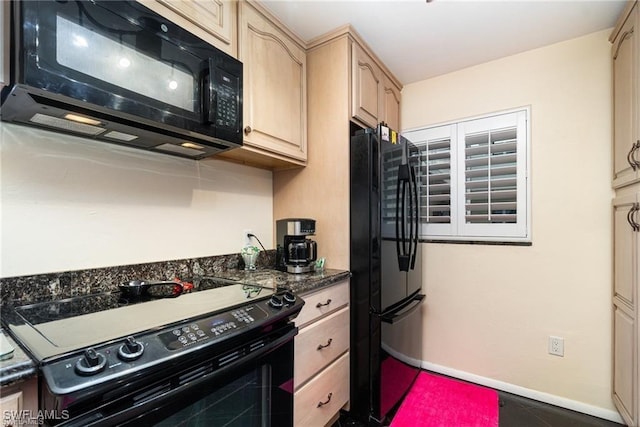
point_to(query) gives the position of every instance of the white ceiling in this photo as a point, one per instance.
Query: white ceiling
(418, 40)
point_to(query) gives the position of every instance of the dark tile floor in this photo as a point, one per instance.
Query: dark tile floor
(517, 411)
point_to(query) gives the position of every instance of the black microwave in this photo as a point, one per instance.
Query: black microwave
(118, 72)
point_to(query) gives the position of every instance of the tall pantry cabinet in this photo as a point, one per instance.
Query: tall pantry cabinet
(625, 53)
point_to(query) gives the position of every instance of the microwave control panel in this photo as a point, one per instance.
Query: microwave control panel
(228, 95)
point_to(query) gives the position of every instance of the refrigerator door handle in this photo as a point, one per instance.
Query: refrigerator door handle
(415, 218)
(398, 221)
(404, 255)
(403, 310)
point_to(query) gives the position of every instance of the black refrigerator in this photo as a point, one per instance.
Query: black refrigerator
(386, 267)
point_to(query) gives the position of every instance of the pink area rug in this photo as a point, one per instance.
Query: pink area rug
(437, 401)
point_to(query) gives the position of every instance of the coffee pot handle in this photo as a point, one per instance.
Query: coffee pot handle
(314, 250)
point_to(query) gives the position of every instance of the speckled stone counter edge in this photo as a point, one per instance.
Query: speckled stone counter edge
(83, 282)
(19, 367)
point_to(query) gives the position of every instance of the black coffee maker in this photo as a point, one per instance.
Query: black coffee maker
(294, 252)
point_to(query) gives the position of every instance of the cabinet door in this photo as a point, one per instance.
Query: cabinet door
(10, 408)
(365, 86)
(275, 97)
(625, 52)
(626, 218)
(624, 359)
(215, 21)
(391, 104)
(625, 249)
(217, 17)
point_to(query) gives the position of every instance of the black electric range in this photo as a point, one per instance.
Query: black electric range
(95, 344)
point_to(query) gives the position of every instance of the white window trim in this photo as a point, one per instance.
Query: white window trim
(458, 230)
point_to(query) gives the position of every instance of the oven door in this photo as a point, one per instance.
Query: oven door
(118, 57)
(254, 390)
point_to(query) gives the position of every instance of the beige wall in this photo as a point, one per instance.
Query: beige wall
(70, 203)
(490, 309)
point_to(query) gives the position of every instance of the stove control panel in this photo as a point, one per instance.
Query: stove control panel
(114, 360)
(212, 327)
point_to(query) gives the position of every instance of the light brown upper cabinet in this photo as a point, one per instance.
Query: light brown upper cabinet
(275, 92)
(214, 21)
(391, 104)
(626, 73)
(375, 97)
(366, 86)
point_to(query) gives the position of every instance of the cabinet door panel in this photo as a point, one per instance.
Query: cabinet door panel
(391, 106)
(624, 51)
(274, 87)
(212, 20)
(623, 362)
(211, 15)
(365, 86)
(625, 252)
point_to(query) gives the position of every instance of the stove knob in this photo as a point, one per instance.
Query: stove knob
(276, 302)
(289, 297)
(130, 350)
(91, 363)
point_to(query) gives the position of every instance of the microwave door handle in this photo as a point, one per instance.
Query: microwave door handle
(209, 93)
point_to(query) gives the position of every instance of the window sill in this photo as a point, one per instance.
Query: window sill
(476, 242)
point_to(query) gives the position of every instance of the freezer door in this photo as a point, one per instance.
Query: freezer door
(400, 354)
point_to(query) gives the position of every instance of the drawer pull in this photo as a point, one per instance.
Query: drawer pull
(318, 305)
(320, 346)
(321, 404)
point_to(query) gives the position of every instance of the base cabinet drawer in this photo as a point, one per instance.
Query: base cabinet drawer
(320, 344)
(320, 303)
(318, 401)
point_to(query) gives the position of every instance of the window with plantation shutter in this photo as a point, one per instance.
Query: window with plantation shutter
(473, 178)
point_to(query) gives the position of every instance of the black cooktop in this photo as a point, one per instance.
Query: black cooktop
(49, 328)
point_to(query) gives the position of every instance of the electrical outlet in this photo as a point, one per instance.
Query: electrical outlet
(246, 240)
(556, 346)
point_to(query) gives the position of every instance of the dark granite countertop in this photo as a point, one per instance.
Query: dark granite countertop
(19, 367)
(297, 283)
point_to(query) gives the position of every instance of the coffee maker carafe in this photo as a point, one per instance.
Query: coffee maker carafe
(295, 253)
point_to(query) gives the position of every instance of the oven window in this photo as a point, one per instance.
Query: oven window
(242, 402)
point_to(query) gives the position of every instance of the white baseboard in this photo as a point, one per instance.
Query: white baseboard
(551, 399)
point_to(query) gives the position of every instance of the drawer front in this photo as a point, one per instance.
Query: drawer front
(320, 344)
(319, 303)
(319, 400)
